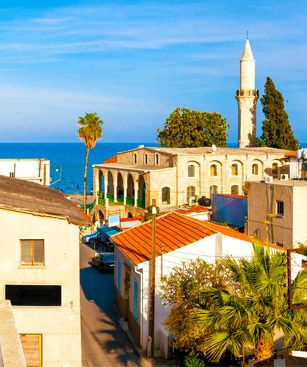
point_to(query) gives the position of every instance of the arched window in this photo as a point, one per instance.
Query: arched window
(235, 190)
(213, 170)
(157, 159)
(145, 158)
(166, 195)
(190, 192)
(234, 169)
(213, 189)
(135, 158)
(191, 170)
(255, 169)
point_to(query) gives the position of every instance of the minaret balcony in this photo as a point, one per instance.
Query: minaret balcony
(247, 93)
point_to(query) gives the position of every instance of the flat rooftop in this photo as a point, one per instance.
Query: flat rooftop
(290, 182)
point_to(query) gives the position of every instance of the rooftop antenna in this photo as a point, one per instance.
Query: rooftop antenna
(247, 35)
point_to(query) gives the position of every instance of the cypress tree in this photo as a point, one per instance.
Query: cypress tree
(276, 128)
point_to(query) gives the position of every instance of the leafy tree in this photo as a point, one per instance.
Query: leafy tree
(187, 128)
(241, 314)
(276, 128)
(182, 290)
(90, 131)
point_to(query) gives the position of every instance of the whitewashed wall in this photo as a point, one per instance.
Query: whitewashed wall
(27, 169)
(59, 325)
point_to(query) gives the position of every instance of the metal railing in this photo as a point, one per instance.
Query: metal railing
(110, 197)
(100, 196)
(130, 201)
(140, 203)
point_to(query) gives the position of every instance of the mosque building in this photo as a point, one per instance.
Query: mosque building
(128, 181)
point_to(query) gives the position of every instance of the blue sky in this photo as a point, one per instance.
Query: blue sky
(133, 62)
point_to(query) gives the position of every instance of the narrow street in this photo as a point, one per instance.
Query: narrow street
(104, 344)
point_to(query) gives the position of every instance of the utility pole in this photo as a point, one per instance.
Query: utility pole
(152, 283)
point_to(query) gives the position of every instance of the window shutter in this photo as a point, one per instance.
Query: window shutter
(136, 300)
(26, 254)
(38, 252)
(31, 345)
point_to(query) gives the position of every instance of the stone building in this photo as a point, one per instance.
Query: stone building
(279, 216)
(130, 180)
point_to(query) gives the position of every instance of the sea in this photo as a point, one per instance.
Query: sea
(67, 160)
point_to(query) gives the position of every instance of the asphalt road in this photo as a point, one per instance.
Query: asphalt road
(103, 342)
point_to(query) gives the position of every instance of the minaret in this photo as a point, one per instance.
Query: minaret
(247, 97)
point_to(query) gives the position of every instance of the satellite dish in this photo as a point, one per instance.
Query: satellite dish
(213, 148)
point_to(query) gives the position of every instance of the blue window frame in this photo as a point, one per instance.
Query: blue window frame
(136, 300)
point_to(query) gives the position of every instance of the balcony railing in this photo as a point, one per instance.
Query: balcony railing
(91, 207)
(140, 203)
(100, 196)
(130, 201)
(110, 197)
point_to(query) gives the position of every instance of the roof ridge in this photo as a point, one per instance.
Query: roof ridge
(147, 222)
(194, 220)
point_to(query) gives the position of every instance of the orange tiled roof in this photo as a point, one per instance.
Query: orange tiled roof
(173, 231)
(111, 160)
(291, 153)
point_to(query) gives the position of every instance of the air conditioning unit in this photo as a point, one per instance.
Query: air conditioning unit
(268, 179)
(284, 177)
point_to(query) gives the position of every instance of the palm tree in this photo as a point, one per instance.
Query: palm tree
(90, 131)
(248, 314)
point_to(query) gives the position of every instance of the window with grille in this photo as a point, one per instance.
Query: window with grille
(166, 193)
(191, 170)
(234, 169)
(279, 207)
(255, 169)
(32, 252)
(213, 170)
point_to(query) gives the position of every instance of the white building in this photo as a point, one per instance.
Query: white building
(35, 170)
(39, 250)
(179, 239)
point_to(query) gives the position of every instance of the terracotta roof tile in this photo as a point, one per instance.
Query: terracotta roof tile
(173, 231)
(111, 160)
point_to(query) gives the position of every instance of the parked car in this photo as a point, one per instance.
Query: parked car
(91, 238)
(103, 262)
